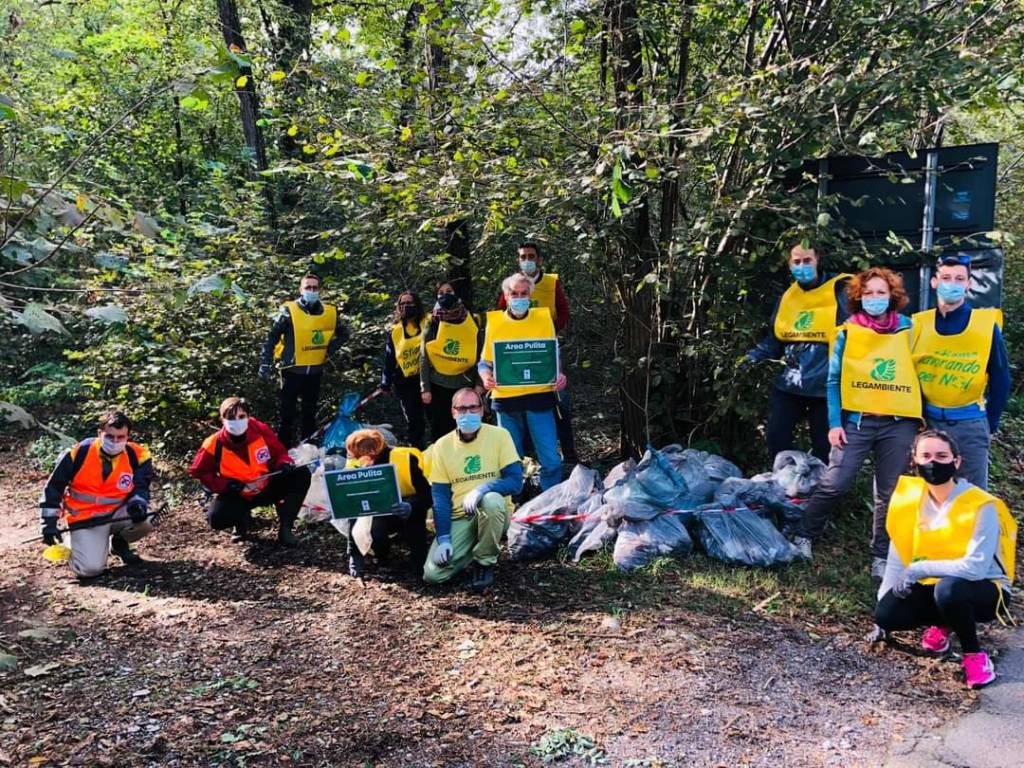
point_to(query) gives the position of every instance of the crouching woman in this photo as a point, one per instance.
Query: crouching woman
(951, 556)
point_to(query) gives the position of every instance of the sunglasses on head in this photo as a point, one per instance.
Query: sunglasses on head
(960, 259)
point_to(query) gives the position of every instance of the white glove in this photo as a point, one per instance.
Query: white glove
(443, 552)
(901, 588)
(471, 501)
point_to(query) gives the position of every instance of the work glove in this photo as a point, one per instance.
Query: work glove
(51, 535)
(443, 552)
(402, 510)
(264, 372)
(138, 511)
(901, 588)
(235, 486)
(471, 501)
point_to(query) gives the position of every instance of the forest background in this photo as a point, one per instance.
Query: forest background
(169, 168)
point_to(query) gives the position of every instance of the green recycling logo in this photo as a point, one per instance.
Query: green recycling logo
(884, 369)
(318, 337)
(804, 320)
(451, 347)
(472, 465)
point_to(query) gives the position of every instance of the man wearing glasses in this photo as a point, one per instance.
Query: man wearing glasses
(474, 470)
(963, 366)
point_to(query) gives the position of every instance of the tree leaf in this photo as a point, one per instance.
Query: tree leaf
(277, 75)
(109, 314)
(38, 320)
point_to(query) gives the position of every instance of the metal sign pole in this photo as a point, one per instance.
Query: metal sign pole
(931, 177)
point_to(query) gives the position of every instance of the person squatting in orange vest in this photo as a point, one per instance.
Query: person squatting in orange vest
(234, 463)
(101, 488)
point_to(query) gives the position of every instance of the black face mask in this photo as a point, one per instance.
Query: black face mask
(447, 300)
(408, 313)
(937, 473)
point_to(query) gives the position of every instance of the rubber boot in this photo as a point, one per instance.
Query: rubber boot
(285, 537)
(121, 548)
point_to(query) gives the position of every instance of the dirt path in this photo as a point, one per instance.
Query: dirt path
(213, 654)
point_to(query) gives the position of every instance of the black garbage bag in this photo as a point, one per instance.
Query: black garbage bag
(540, 526)
(640, 542)
(741, 537)
(797, 473)
(761, 492)
(689, 464)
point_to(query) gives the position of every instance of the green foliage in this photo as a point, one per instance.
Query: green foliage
(564, 743)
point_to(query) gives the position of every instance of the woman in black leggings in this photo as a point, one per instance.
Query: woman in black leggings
(951, 556)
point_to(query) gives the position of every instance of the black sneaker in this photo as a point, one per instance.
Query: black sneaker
(121, 548)
(356, 563)
(483, 578)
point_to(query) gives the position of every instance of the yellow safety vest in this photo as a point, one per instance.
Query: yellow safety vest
(544, 291)
(952, 369)
(310, 334)
(808, 315)
(407, 348)
(401, 460)
(454, 350)
(951, 541)
(878, 373)
(502, 327)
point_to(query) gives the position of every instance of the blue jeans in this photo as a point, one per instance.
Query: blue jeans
(541, 427)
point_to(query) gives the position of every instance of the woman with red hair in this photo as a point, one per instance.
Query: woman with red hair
(874, 406)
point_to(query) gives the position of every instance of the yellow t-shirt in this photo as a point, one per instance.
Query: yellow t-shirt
(464, 466)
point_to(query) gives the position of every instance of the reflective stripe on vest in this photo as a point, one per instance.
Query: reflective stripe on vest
(407, 348)
(544, 292)
(951, 541)
(878, 373)
(89, 494)
(953, 369)
(454, 350)
(502, 327)
(234, 467)
(310, 335)
(808, 315)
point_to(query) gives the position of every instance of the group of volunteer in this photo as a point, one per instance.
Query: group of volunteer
(865, 377)
(868, 379)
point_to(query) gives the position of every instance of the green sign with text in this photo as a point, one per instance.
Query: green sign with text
(362, 491)
(526, 363)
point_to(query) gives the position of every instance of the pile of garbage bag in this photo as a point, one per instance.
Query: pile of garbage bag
(540, 526)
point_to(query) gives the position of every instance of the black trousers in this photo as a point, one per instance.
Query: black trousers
(286, 492)
(955, 603)
(408, 393)
(563, 426)
(441, 421)
(296, 386)
(785, 411)
(412, 531)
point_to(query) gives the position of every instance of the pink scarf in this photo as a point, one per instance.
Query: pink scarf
(887, 323)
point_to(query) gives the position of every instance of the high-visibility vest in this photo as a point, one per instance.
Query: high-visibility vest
(454, 350)
(407, 348)
(544, 292)
(232, 466)
(536, 325)
(808, 315)
(953, 369)
(949, 542)
(90, 495)
(402, 459)
(878, 373)
(310, 334)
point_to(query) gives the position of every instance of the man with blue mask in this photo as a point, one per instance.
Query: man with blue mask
(804, 317)
(474, 471)
(304, 334)
(963, 366)
(526, 407)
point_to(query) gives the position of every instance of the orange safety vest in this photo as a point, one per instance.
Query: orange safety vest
(90, 495)
(232, 466)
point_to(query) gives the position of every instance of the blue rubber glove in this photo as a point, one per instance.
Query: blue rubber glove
(443, 552)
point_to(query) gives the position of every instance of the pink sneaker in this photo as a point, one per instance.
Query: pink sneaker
(978, 669)
(936, 639)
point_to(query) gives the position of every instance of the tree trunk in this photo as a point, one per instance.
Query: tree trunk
(248, 101)
(294, 41)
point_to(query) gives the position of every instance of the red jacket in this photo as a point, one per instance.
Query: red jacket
(204, 465)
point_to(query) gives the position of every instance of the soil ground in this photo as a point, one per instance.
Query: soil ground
(218, 654)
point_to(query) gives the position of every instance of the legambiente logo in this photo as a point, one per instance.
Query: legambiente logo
(804, 320)
(472, 465)
(884, 369)
(882, 374)
(451, 347)
(318, 336)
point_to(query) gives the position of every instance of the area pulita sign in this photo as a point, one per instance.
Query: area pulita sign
(362, 491)
(526, 362)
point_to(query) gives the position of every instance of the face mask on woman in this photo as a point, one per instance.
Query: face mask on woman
(936, 472)
(408, 313)
(875, 306)
(236, 427)
(447, 300)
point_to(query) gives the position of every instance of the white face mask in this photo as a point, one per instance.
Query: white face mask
(237, 427)
(112, 447)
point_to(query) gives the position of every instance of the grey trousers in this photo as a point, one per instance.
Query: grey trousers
(889, 440)
(972, 438)
(90, 546)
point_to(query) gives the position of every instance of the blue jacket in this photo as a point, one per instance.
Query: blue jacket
(805, 363)
(998, 371)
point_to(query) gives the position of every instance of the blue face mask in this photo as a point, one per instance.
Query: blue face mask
(519, 307)
(527, 267)
(875, 307)
(468, 423)
(803, 273)
(311, 297)
(950, 293)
